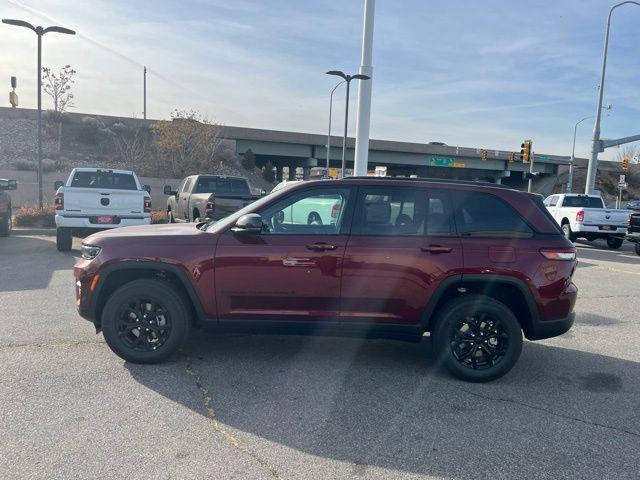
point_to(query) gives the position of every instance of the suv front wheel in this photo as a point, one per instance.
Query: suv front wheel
(477, 338)
(146, 321)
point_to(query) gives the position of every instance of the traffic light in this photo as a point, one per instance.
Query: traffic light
(512, 157)
(525, 151)
(484, 154)
(625, 163)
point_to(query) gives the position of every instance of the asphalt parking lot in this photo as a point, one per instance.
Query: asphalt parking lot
(299, 407)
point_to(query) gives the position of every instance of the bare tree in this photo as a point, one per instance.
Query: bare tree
(58, 87)
(189, 142)
(629, 150)
(130, 143)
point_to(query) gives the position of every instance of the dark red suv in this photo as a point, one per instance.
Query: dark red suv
(475, 265)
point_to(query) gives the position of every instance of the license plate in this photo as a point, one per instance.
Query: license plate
(105, 219)
(606, 227)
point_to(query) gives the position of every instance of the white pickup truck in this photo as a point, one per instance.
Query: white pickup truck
(95, 199)
(586, 216)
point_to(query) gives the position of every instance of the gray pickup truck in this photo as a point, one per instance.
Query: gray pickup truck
(200, 197)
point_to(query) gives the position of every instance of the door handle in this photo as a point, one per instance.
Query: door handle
(435, 249)
(320, 247)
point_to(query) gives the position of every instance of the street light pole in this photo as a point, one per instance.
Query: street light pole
(595, 146)
(573, 153)
(347, 79)
(39, 31)
(329, 134)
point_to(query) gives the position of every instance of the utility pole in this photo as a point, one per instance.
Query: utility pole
(144, 93)
(363, 113)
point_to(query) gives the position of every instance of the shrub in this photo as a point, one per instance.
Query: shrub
(268, 172)
(248, 160)
(35, 217)
(48, 165)
(159, 216)
(89, 132)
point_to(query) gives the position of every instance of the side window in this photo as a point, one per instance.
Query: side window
(187, 185)
(390, 212)
(553, 200)
(179, 189)
(319, 211)
(485, 215)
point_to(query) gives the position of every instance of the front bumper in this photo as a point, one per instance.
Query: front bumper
(86, 282)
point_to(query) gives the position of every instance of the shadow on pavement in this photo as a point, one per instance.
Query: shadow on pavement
(600, 252)
(28, 263)
(560, 412)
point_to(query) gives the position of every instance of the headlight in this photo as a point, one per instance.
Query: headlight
(89, 252)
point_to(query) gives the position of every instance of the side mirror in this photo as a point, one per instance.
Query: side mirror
(57, 184)
(168, 190)
(251, 223)
(147, 188)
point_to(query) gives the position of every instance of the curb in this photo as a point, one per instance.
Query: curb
(29, 231)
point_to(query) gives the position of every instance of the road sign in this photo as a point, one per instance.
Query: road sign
(623, 185)
(623, 178)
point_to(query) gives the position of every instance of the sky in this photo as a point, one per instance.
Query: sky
(484, 74)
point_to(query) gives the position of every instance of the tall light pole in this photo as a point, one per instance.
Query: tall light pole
(573, 149)
(39, 31)
(329, 134)
(596, 146)
(363, 112)
(144, 93)
(347, 79)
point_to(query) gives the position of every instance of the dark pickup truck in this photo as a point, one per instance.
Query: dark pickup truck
(213, 197)
(633, 230)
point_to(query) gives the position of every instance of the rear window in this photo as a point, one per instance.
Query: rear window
(583, 202)
(485, 215)
(103, 179)
(223, 186)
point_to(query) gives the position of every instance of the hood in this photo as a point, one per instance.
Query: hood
(170, 232)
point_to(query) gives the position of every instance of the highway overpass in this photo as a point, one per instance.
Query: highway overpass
(292, 149)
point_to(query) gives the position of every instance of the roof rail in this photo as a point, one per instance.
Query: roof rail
(433, 179)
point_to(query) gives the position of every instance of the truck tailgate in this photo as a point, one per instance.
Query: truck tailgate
(92, 201)
(226, 205)
(603, 216)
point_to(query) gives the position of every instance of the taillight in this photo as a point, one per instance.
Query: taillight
(558, 253)
(580, 216)
(147, 204)
(335, 210)
(629, 221)
(58, 201)
(210, 207)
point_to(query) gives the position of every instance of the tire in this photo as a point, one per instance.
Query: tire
(637, 248)
(170, 218)
(157, 344)
(196, 216)
(566, 229)
(314, 219)
(5, 225)
(453, 338)
(614, 243)
(64, 239)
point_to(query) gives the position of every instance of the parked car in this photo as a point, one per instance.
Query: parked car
(201, 197)
(586, 216)
(94, 199)
(5, 206)
(633, 230)
(474, 265)
(633, 205)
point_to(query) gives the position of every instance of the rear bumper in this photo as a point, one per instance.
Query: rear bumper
(594, 231)
(633, 237)
(85, 222)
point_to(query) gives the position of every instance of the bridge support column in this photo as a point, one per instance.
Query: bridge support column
(306, 171)
(279, 173)
(292, 171)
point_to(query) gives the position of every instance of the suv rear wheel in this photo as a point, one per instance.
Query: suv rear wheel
(5, 225)
(477, 338)
(146, 321)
